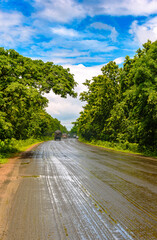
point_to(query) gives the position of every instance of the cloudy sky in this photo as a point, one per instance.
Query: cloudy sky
(83, 35)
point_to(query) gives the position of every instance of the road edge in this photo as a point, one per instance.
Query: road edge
(120, 151)
(9, 183)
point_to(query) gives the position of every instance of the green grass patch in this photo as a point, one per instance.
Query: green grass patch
(3, 159)
(122, 147)
(23, 145)
(11, 147)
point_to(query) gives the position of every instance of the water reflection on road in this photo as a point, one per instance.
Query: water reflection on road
(73, 191)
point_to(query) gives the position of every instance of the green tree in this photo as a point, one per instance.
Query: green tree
(102, 93)
(134, 117)
(121, 104)
(143, 96)
(23, 82)
(74, 129)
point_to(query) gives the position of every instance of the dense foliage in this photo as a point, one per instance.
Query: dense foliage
(23, 82)
(121, 104)
(73, 130)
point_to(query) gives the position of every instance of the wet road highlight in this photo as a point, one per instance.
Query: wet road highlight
(69, 190)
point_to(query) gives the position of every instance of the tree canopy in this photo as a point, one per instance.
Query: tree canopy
(23, 82)
(121, 104)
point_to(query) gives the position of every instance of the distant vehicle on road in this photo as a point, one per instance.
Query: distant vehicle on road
(58, 135)
(64, 135)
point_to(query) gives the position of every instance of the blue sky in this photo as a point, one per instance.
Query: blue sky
(83, 35)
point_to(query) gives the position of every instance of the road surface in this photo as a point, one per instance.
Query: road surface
(69, 190)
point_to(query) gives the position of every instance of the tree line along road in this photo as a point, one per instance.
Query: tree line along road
(69, 190)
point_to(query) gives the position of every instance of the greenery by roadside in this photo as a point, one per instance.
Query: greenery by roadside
(23, 83)
(10, 147)
(126, 147)
(23, 118)
(121, 104)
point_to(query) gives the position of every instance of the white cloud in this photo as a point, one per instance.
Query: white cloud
(121, 8)
(60, 10)
(119, 60)
(106, 27)
(81, 73)
(82, 59)
(64, 11)
(8, 20)
(68, 53)
(75, 51)
(67, 110)
(142, 33)
(12, 30)
(81, 45)
(65, 32)
(95, 45)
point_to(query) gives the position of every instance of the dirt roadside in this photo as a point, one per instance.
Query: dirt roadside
(9, 182)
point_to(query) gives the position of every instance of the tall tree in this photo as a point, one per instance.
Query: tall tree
(102, 93)
(121, 104)
(23, 82)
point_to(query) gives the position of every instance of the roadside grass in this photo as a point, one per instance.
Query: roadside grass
(125, 147)
(11, 147)
(3, 159)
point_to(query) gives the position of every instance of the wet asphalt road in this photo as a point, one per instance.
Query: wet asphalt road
(68, 190)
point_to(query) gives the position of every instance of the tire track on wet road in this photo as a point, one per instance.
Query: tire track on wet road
(72, 191)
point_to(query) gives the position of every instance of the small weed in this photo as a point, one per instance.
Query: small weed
(31, 176)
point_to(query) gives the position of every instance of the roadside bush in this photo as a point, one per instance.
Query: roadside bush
(126, 146)
(8, 146)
